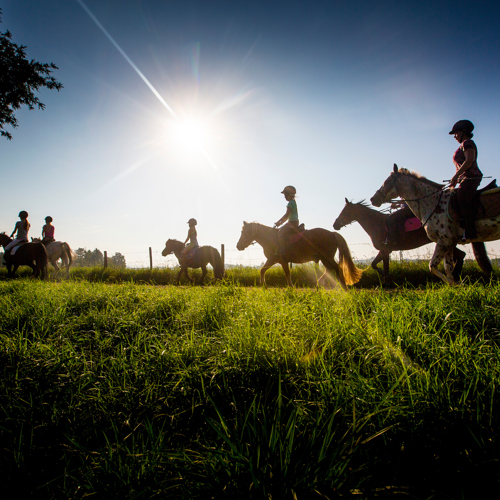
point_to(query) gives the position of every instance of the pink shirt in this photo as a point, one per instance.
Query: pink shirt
(459, 157)
(48, 231)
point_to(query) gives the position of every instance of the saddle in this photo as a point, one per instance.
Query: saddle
(486, 201)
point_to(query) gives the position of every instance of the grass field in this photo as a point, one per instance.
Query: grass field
(127, 390)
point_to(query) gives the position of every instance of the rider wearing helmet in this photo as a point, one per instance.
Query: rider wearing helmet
(192, 237)
(48, 231)
(22, 227)
(291, 215)
(467, 174)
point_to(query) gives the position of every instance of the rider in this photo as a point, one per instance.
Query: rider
(291, 215)
(192, 237)
(468, 175)
(48, 231)
(395, 223)
(22, 227)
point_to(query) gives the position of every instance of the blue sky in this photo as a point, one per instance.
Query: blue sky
(176, 109)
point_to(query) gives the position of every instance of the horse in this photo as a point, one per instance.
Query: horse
(374, 223)
(430, 202)
(58, 250)
(203, 256)
(315, 245)
(33, 255)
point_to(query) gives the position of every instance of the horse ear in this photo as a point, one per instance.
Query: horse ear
(395, 169)
(346, 201)
(244, 223)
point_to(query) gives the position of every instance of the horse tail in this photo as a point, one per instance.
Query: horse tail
(350, 272)
(482, 258)
(216, 263)
(69, 253)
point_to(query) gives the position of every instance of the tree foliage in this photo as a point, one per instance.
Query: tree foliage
(20, 78)
(92, 258)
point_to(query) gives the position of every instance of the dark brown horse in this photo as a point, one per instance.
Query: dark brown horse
(316, 245)
(374, 223)
(33, 255)
(203, 256)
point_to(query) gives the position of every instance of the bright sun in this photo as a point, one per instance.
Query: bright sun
(192, 134)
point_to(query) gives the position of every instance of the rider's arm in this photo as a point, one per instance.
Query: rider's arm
(470, 158)
(284, 218)
(14, 232)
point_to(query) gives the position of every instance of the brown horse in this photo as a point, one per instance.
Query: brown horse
(33, 255)
(315, 245)
(203, 256)
(374, 223)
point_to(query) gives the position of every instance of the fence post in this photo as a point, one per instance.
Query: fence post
(105, 259)
(222, 256)
(150, 259)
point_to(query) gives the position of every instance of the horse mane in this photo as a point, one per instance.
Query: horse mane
(417, 175)
(257, 224)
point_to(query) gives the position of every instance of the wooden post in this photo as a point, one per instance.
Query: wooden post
(222, 256)
(150, 259)
(105, 259)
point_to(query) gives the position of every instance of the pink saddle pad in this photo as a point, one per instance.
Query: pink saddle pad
(412, 224)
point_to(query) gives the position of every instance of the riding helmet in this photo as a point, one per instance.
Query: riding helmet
(192, 221)
(23, 214)
(462, 126)
(48, 218)
(289, 190)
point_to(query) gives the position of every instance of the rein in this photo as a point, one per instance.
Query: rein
(441, 191)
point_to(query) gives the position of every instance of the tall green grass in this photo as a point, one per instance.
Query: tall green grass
(405, 273)
(139, 391)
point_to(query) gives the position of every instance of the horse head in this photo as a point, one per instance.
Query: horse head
(169, 247)
(4, 239)
(346, 217)
(388, 190)
(247, 236)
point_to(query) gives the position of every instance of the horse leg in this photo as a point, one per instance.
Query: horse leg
(439, 253)
(449, 264)
(179, 276)
(384, 257)
(482, 258)
(286, 269)
(203, 274)
(458, 258)
(54, 265)
(269, 263)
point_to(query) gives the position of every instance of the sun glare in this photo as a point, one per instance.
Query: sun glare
(192, 134)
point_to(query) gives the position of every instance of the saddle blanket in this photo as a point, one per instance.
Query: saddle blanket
(296, 237)
(14, 249)
(412, 224)
(189, 255)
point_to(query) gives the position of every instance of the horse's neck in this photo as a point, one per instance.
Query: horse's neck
(421, 197)
(370, 220)
(264, 234)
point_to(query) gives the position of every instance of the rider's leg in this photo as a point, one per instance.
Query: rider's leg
(466, 193)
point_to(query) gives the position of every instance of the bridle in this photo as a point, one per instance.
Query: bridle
(441, 191)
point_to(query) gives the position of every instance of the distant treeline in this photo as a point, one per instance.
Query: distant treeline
(92, 258)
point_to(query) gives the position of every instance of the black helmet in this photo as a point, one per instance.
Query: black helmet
(23, 214)
(289, 190)
(192, 221)
(48, 218)
(462, 126)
